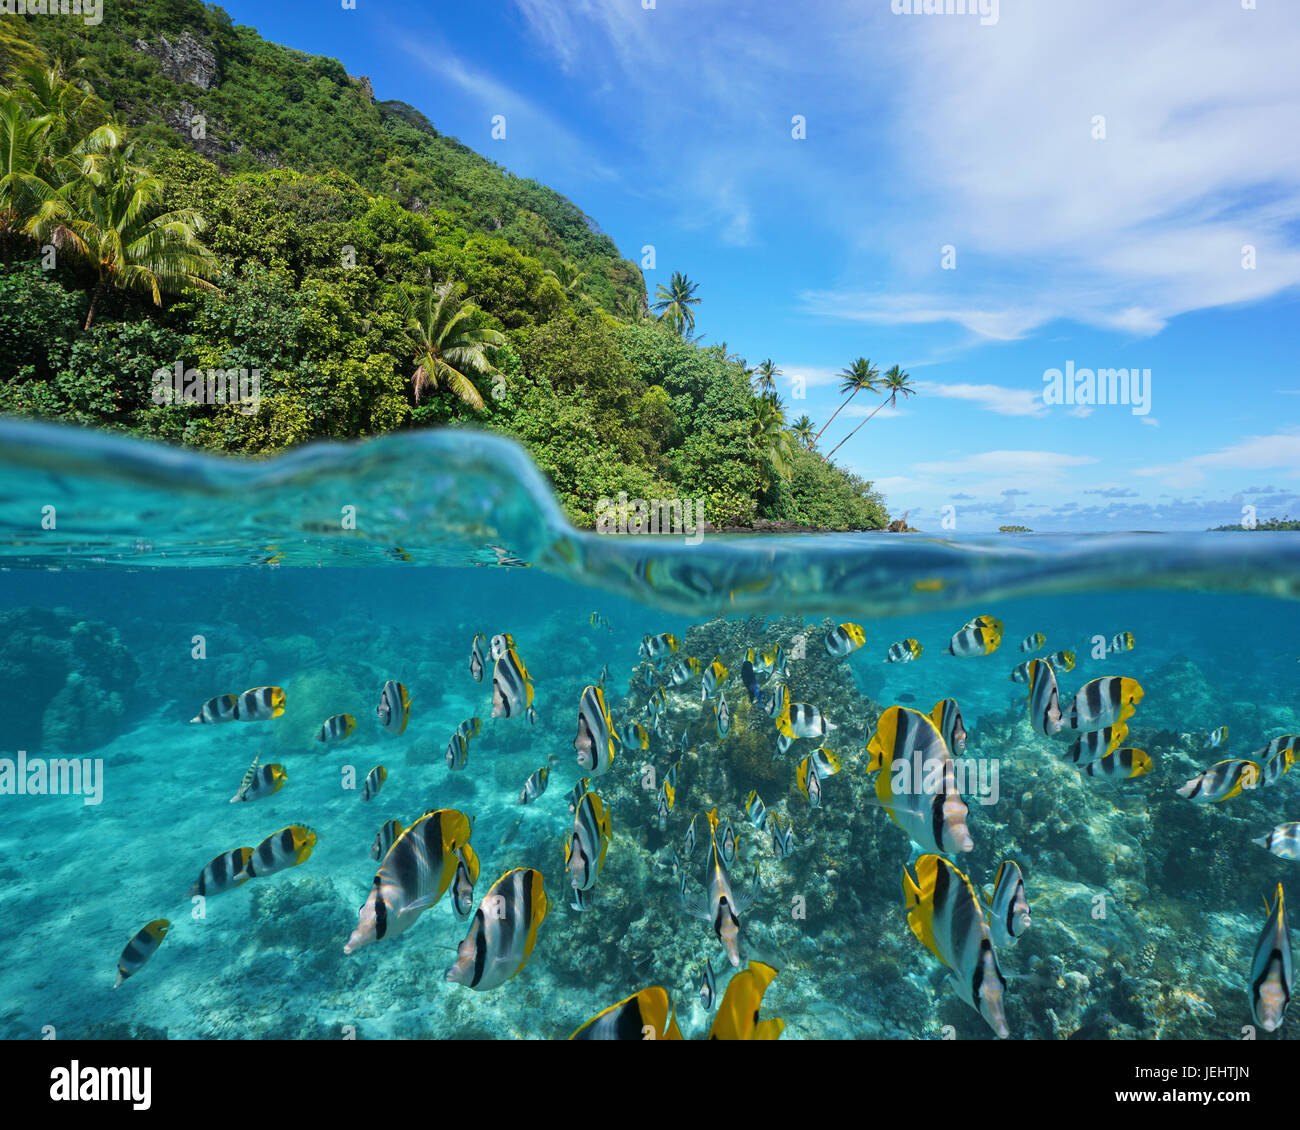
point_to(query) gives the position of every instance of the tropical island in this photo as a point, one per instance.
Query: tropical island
(179, 195)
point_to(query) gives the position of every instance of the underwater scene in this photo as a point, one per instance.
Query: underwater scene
(366, 742)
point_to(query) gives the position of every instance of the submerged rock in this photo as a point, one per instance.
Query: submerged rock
(72, 681)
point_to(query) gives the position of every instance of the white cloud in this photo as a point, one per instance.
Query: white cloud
(1018, 463)
(992, 398)
(995, 156)
(1273, 452)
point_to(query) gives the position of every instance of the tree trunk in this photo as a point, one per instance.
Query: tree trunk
(833, 450)
(94, 301)
(836, 413)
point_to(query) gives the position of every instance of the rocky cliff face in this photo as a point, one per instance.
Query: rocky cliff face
(184, 60)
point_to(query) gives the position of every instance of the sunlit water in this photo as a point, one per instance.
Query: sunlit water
(140, 582)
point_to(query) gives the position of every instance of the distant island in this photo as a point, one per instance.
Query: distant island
(1269, 524)
(1014, 530)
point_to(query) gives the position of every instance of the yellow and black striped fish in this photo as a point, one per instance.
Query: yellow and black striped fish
(457, 752)
(595, 738)
(1103, 702)
(916, 781)
(1123, 641)
(647, 1015)
(1221, 781)
(414, 874)
(394, 709)
(512, 689)
(535, 785)
(982, 636)
(904, 651)
(844, 640)
(223, 708)
(656, 648)
(281, 850)
(1271, 975)
(1122, 763)
(260, 704)
(336, 728)
(260, 781)
(141, 948)
(584, 851)
(462, 886)
(947, 719)
(477, 662)
(503, 933)
(1096, 744)
(385, 838)
(1008, 908)
(373, 783)
(1282, 840)
(1044, 699)
(737, 1017)
(223, 873)
(944, 913)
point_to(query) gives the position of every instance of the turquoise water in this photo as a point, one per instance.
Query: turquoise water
(1146, 907)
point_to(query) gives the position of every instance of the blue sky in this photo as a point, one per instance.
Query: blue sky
(672, 126)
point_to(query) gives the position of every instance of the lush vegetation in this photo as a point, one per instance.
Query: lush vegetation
(1014, 530)
(1270, 524)
(374, 273)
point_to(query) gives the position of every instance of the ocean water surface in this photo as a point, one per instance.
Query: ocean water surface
(139, 583)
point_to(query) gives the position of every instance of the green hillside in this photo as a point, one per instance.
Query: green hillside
(177, 193)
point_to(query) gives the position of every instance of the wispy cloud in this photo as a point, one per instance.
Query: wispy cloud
(1042, 463)
(992, 398)
(1049, 221)
(528, 126)
(1279, 452)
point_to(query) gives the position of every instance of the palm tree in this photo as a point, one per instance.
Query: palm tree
(633, 308)
(111, 217)
(569, 277)
(23, 148)
(769, 438)
(765, 378)
(449, 349)
(802, 430)
(862, 374)
(70, 108)
(673, 303)
(896, 383)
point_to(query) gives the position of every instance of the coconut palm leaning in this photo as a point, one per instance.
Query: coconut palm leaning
(673, 303)
(112, 217)
(449, 349)
(896, 383)
(862, 374)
